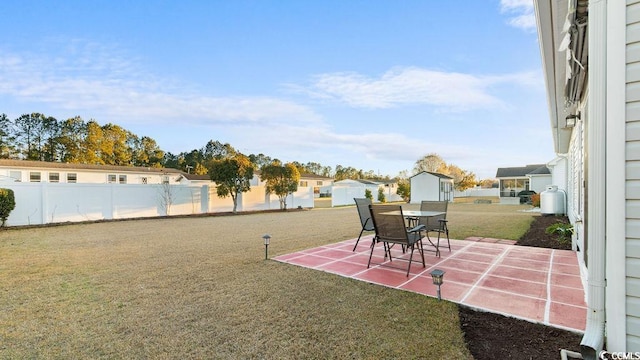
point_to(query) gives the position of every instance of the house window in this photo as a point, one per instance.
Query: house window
(54, 177)
(111, 178)
(144, 180)
(72, 177)
(304, 184)
(16, 175)
(122, 179)
(34, 176)
(165, 179)
(319, 183)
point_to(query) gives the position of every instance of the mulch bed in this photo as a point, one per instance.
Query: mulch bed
(536, 235)
(493, 336)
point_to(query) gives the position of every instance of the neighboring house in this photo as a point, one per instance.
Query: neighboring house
(54, 172)
(321, 184)
(512, 180)
(431, 186)
(592, 73)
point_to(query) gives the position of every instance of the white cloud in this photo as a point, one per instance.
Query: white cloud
(91, 79)
(520, 12)
(448, 91)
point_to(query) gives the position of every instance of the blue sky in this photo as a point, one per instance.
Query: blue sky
(372, 84)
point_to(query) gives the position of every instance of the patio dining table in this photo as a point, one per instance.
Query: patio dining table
(413, 215)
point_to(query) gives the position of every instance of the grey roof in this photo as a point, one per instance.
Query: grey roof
(535, 169)
(314, 176)
(441, 176)
(368, 182)
(195, 177)
(59, 165)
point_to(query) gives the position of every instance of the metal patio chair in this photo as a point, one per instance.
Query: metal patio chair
(391, 230)
(365, 217)
(435, 224)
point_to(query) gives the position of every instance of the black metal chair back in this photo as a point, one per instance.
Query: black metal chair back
(436, 223)
(391, 229)
(365, 217)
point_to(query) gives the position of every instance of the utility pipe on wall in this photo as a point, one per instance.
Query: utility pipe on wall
(595, 127)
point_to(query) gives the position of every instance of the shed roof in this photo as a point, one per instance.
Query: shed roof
(442, 176)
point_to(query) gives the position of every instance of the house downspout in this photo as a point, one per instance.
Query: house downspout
(595, 126)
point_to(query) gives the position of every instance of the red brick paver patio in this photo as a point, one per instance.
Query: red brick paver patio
(535, 284)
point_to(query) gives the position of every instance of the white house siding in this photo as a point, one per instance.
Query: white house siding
(558, 169)
(575, 188)
(539, 183)
(633, 175)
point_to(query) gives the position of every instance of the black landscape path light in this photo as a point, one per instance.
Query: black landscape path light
(437, 275)
(267, 240)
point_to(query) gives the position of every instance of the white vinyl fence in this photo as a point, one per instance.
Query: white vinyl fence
(495, 192)
(44, 203)
(344, 195)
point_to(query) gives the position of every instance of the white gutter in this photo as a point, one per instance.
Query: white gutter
(595, 127)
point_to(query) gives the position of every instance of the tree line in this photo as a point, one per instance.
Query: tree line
(40, 137)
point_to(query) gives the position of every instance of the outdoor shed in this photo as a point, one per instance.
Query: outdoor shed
(431, 186)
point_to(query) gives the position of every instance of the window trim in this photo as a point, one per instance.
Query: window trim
(57, 177)
(32, 176)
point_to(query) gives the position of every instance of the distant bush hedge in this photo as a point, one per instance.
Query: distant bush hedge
(7, 204)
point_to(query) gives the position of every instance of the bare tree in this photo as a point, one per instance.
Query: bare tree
(166, 195)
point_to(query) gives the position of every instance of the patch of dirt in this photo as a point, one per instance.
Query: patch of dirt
(537, 236)
(493, 336)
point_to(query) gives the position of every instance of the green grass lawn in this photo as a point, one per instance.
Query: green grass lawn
(200, 288)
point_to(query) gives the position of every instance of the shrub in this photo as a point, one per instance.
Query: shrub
(404, 190)
(381, 196)
(7, 204)
(563, 230)
(368, 194)
(535, 200)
